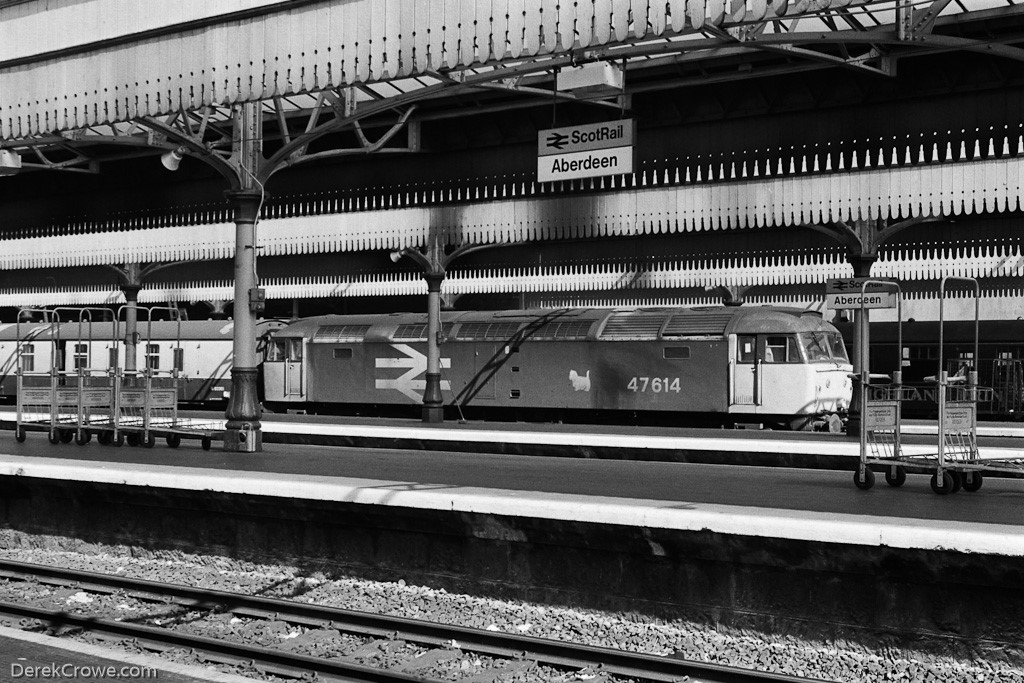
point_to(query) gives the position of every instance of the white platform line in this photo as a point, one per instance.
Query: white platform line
(817, 527)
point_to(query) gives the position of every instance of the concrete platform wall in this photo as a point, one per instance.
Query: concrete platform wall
(953, 602)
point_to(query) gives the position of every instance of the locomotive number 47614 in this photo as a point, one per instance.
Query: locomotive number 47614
(655, 385)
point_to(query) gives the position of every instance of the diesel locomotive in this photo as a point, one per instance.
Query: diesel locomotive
(718, 365)
(773, 366)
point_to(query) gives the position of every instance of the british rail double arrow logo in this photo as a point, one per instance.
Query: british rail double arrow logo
(408, 382)
(557, 140)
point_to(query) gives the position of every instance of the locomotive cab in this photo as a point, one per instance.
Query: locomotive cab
(789, 368)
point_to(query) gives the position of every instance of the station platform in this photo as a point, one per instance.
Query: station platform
(26, 655)
(617, 442)
(750, 546)
(817, 505)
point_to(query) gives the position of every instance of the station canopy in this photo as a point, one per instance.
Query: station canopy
(752, 39)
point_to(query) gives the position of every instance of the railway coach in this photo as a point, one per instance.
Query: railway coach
(1000, 362)
(719, 365)
(201, 351)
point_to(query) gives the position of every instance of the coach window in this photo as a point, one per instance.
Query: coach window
(746, 348)
(153, 356)
(343, 353)
(295, 349)
(28, 357)
(81, 356)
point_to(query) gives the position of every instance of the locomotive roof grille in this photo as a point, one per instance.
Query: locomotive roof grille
(634, 325)
(562, 329)
(418, 331)
(411, 331)
(698, 323)
(337, 333)
(483, 330)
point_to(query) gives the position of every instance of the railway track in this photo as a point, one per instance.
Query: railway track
(523, 652)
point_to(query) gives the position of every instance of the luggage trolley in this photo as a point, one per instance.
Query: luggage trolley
(957, 463)
(72, 399)
(880, 410)
(36, 389)
(146, 400)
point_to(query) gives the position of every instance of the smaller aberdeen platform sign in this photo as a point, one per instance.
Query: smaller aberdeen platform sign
(587, 151)
(847, 293)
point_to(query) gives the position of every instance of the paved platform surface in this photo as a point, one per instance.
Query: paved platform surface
(817, 505)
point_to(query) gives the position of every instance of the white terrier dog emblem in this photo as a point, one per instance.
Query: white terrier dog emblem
(579, 382)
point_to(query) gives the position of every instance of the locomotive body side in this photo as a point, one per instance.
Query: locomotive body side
(667, 361)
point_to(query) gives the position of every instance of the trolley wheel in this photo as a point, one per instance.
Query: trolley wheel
(958, 481)
(83, 437)
(869, 479)
(66, 435)
(105, 438)
(947, 483)
(117, 440)
(972, 481)
(133, 439)
(150, 440)
(174, 440)
(54, 436)
(895, 476)
(19, 434)
(207, 442)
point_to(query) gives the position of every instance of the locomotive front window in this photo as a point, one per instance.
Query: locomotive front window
(822, 346)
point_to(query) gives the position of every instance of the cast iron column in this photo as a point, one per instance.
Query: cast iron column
(243, 412)
(861, 340)
(131, 326)
(433, 402)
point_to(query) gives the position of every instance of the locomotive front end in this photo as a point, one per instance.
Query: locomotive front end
(830, 387)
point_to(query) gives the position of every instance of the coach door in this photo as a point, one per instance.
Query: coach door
(745, 370)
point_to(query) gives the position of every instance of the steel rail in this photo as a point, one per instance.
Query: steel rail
(504, 645)
(267, 659)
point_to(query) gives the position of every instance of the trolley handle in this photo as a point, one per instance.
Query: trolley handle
(869, 376)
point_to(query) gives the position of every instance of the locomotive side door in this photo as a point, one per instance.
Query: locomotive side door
(294, 386)
(282, 370)
(745, 370)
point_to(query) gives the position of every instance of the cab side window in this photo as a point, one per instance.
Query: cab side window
(781, 350)
(746, 348)
(275, 350)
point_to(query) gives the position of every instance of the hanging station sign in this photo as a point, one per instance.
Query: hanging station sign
(588, 151)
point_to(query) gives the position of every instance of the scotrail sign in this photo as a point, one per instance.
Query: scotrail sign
(587, 151)
(847, 293)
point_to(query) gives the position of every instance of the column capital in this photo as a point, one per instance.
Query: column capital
(245, 203)
(434, 280)
(862, 264)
